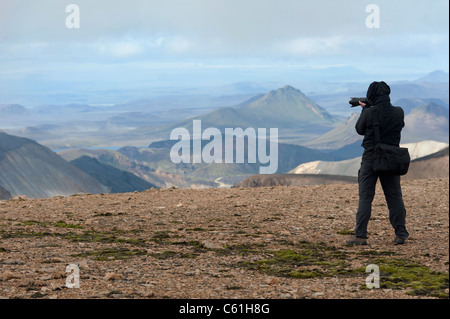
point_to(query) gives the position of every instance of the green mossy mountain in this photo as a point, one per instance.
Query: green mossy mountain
(288, 106)
(284, 108)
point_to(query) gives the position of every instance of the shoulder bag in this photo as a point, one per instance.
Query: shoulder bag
(389, 159)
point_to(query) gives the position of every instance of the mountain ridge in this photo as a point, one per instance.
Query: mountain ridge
(435, 76)
(284, 108)
(350, 167)
(426, 120)
(118, 181)
(30, 169)
(289, 101)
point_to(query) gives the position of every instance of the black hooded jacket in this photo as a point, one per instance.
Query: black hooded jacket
(391, 119)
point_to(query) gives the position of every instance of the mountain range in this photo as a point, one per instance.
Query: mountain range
(285, 108)
(118, 181)
(75, 125)
(432, 87)
(299, 117)
(340, 136)
(351, 166)
(433, 165)
(153, 164)
(308, 135)
(424, 120)
(30, 169)
(13, 110)
(437, 76)
(295, 115)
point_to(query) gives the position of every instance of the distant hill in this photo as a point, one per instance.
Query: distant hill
(435, 76)
(435, 165)
(297, 117)
(120, 162)
(68, 110)
(287, 109)
(28, 168)
(423, 90)
(442, 153)
(337, 103)
(133, 119)
(13, 115)
(342, 135)
(157, 156)
(408, 104)
(348, 151)
(294, 180)
(424, 148)
(118, 181)
(287, 105)
(154, 165)
(350, 167)
(13, 110)
(427, 122)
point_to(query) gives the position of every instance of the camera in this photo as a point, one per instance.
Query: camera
(354, 101)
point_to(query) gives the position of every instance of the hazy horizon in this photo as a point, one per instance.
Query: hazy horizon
(126, 51)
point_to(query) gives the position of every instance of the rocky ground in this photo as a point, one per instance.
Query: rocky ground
(269, 242)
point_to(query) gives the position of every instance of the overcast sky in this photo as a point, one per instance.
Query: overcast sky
(172, 40)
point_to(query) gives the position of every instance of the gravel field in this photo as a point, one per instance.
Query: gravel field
(269, 242)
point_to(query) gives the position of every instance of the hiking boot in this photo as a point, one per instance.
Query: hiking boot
(399, 241)
(353, 240)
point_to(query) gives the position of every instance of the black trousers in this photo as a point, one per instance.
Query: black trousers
(367, 180)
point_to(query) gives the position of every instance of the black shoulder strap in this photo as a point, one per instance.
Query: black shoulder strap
(376, 126)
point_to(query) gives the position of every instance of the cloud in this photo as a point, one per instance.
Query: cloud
(121, 49)
(234, 22)
(313, 46)
(179, 45)
(224, 38)
(141, 48)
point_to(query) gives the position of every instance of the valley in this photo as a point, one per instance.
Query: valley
(132, 143)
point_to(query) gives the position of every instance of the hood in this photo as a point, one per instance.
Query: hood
(378, 92)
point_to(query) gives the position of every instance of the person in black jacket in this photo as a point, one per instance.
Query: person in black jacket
(391, 119)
